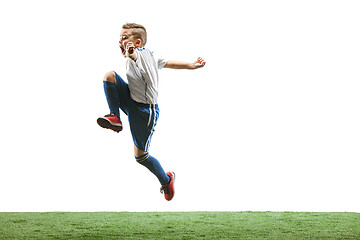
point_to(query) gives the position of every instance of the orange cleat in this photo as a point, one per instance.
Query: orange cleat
(169, 189)
(110, 121)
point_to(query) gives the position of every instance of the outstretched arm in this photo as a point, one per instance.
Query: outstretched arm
(199, 63)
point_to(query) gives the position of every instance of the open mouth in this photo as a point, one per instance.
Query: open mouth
(122, 49)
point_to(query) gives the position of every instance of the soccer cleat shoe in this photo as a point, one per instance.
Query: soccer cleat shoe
(110, 121)
(169, 189)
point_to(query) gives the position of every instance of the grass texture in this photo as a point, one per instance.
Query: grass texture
(180, 225)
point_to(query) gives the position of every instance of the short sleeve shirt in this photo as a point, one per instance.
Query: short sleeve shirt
(143, 76)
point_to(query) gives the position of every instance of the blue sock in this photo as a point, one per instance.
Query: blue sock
(155, 167)
(112, 97)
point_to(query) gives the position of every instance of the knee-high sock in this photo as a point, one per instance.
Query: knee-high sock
(112, 97)
(155, 167)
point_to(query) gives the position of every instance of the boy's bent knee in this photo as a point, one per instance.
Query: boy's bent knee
(110, 77)
(138, 152)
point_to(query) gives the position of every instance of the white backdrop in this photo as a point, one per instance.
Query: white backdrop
(270, 124)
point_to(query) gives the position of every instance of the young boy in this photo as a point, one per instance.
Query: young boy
(138, 98)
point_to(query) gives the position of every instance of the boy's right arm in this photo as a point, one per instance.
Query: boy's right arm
(130, 53)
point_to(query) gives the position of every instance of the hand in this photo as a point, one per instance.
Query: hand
(130, 53)
(130, 48)
(199, 63)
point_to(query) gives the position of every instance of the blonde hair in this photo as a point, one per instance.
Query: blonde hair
(138, 31)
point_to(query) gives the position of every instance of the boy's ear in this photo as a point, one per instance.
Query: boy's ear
(138, 42)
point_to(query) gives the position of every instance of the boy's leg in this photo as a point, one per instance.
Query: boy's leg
(152, 164)
(143, 119)
(111, 93)
(117, 94)
(166, 179)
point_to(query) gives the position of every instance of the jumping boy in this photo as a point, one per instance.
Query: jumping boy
(138, 98)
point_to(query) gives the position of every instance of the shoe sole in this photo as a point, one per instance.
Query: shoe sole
(104, 123)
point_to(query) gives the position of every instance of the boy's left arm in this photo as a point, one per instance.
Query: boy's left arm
(199, 63)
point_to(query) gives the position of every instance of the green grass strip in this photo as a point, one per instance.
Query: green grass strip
(180, 225)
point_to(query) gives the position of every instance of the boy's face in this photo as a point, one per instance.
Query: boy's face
(126, 37)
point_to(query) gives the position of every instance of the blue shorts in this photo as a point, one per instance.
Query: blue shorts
(142, 117)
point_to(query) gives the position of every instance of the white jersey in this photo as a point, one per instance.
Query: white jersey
(143, 77)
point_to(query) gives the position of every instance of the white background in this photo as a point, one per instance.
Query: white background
(270, 124)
